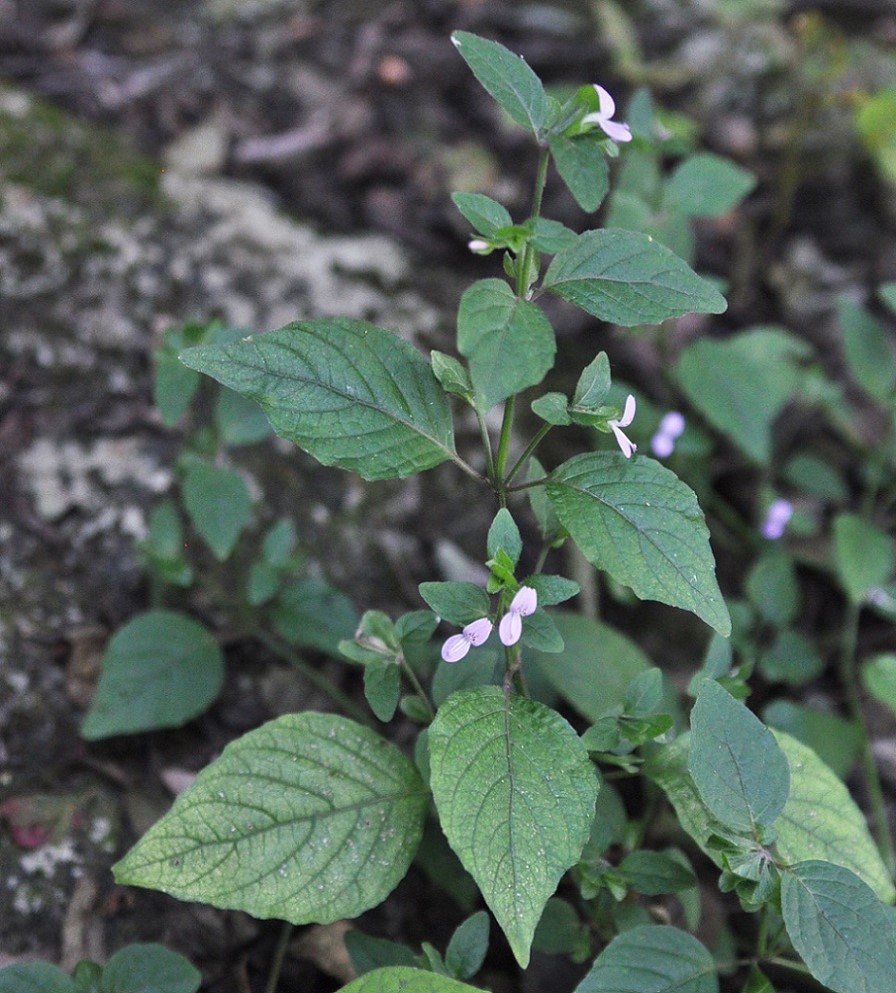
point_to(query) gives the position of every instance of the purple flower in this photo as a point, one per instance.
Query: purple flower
(616, 426)
(670, 429)
(523, 604)
(473, 635)
(776, 517)
(603, 117)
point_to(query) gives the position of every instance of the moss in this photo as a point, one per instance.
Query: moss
(55, 154)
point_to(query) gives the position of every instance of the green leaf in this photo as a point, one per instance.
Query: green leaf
(515, 793)
(35, 977)
(509, 342)
(757, 982)
(239, 421)
(559, 931)
(163, 546)
(552, 407)
(879, 679)
(551, 236)
(652, 959)
(504, 534)
(772, 588)
(486, 215)
(368, 953)
(863, 555)
(868, 349)
(159, 670)
(552, 589)
(629, 279)
(706, 186)
(382, 688)
(655, 873)
(822, 821)
(218, 503)
(736, 764)
(309, 818)
(668, 768)
(351, 394)
(148, 969)
(641, 523)
(452, 375)
(835, 740)
(887, 293)
(313, 614)
(540, 632)
(469, 943)
(743, 406)
(593, 386)
(174, 387)
(506, 78)
(839, 928)
(582, 165)
(596, 667)
(401, 979)
(791, 658)
(457, 603)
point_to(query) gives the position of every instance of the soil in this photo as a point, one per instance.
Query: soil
(261, 161)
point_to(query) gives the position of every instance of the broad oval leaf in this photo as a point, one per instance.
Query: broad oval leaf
(706, 185)
(596, 666)
(863, 555)
(822, 821)
(652, 959)
(349, 393)
(35, 977)
(147, 968)
(508, 341)
(515, 793)
(840, 929)
(629, 279)
(641, 523)
(506, 78)
(582, 165)
(741, 773)
(160, 670)
(219, 504)
(744, 406)
(309, 818)
(404, 979)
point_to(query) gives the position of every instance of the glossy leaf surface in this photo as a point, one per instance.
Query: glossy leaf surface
(349, 393)
(641, 523)
(309, 818)
(515, 794)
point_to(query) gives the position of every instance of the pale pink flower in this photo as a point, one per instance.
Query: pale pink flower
(669, 431)
(616, 426)
(776, 519)
(523, 604)
(603, 117)
(473, 635)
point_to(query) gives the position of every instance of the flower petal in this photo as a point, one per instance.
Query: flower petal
(662, 444)
(627, 446)
(510, 628)
(455, 648)
(606, 102)
(628, 415)
(672, 424)
(616, 130)
(524, 602)
(478, 632)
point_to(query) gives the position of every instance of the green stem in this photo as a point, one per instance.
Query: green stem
(849, 683)
(317, 679)
(415, 682)
(503, 445)
(277, 961)
(487, 447)
(530, 448)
